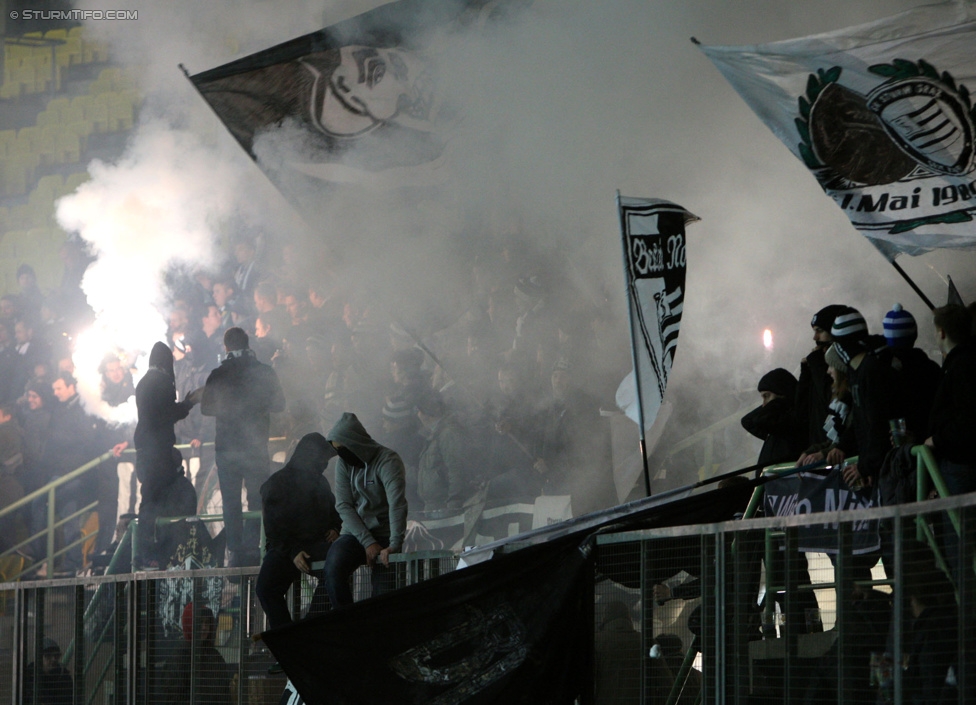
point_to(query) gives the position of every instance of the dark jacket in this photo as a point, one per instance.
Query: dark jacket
(55, 688)
(777, 427)
(157, 406)
(877, 390)
(953, 421)
(813, 396)
(298, 504)
(920, 379)
(242, 393)
(370, 499)
(72, 441)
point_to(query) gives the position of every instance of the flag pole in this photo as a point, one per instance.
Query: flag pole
(912, 284)
(631, 301)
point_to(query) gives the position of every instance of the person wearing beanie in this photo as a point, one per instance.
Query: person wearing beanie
(878, 389)
(920, 374)
(900, 329)
(813, 388)
(838, 419)
(774, 422)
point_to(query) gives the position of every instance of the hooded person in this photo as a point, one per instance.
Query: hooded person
(813, 388)
(371, 501)
(155, 438)
(54, 684)
(774, 421)
(300, 525)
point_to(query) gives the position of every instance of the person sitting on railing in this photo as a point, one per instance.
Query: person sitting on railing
(372, 504)
(953, 421)
(300, 525)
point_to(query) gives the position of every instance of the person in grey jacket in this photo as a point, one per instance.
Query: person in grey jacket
(369, 488)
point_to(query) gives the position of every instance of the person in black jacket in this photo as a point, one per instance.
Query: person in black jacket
(813, 390)
(920, 374)
(242, 393)
(300, 524)
(54, 684)
(774, 422)
(155, 438)
(952, 424)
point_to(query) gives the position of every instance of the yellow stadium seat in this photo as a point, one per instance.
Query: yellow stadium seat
(48, 117)
(99, 87)
(69, 142)
(25, 77)
(34, 35)
(56, 34)
(82, 101)
(18, 171)
(82, 129)
(20, 217)
(131, 95)
(68, 54)
(73, 181)
(44, 73)
(78, 31)
(58, 104)
(110, 75)
(51, 185)
(72, 113)
(6, 137)
(49, 146)
(97, 114)
(120, 113)
(32, 136)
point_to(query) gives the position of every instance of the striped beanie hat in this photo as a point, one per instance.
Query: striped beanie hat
(849, 323)
(900, 329)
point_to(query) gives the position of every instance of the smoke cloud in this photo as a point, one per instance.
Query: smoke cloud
(561, 106)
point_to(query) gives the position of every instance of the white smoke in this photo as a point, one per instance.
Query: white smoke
(572, 102)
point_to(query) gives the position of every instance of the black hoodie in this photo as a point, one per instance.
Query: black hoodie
(157, 406)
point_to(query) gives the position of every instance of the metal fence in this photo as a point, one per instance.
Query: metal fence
(722, 613)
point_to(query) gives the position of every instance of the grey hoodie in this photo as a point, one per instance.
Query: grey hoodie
(370, 500)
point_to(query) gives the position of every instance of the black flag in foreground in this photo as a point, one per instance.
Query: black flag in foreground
(511, 630)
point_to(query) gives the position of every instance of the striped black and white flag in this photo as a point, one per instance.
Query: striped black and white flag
(654, 263)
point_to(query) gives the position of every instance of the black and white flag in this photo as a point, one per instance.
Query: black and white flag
(654, 264)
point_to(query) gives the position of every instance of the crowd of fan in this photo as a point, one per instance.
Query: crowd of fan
(493, 407)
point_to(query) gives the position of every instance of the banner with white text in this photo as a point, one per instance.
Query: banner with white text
(881, 114)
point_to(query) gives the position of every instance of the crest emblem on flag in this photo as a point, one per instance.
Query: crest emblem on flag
(915, 120)
(882, 115)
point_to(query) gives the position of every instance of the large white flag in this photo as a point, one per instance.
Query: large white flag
(882, 115)
(654, 263)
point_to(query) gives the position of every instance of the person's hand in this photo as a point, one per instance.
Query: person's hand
(854, 478)
(810, 458)
(662, 593)
(384, 556)
(541, 467)
(332, 536)
(196, 396)
(119, 447)
(930, 442)
(372, 551)
(835, 456)
(301, 562)
(196, 443)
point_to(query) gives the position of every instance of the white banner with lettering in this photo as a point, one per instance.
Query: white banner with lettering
(882, 115)
(654, 263)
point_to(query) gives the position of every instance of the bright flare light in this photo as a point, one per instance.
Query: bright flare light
(768, 339)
